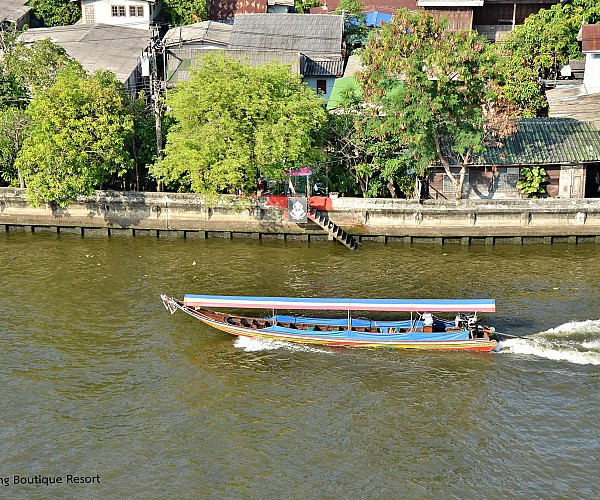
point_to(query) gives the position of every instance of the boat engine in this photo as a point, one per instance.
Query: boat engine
(471, 323)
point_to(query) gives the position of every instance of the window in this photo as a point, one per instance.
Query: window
(136, 11)
(321, 86)
(118, 10)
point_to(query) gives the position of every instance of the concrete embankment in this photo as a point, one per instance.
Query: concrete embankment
(113, 213)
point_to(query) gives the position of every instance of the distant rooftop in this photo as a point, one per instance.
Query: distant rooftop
(307, 33)
(97, 46)
(207, 31)
(13, 10)
(574, 102)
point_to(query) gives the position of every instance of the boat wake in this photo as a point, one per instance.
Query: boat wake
(574, 342)
(252, 344)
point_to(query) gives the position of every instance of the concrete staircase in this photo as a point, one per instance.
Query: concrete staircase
(321, 218)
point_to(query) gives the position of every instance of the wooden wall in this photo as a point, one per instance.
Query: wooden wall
(458, 18)
(489, 183)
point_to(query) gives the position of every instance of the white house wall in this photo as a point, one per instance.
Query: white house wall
(101, 12)
(591, 78)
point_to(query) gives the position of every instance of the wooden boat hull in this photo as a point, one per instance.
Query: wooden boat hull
(219, 321)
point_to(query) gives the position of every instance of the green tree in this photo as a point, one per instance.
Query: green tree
(548, 39)
(24, 72)
(13, 130)
(12, 93)
(8, 36)
(378, 164)
(141, 144)
(77, 139)
(181, 12)
(519, 86)
(56, 12)
(35, 66)
(432, 87)
(303, 6)
(233, 122)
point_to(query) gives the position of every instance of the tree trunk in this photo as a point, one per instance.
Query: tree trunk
(463, 170)
(461, 180)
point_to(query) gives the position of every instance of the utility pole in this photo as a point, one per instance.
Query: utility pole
(155, 96)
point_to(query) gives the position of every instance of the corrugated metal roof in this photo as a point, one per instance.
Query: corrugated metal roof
(97, 46)
(322, 66)
(573, 102)
(316, 34)
(543, 141)
(13, 10)
(181, 60)
(206, 31)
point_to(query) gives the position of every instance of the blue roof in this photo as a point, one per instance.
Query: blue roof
(376, 18)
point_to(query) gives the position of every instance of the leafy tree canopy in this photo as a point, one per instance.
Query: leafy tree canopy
(141, 144)
(35, 66)
(56, 12)
(303, 6)
(234, 122)
(12, 94)
(548, 39)
(432, 86)
(13, 130)
(379, 165)
(181, 12)
(24, 71)
(79, 126)
(519, 86)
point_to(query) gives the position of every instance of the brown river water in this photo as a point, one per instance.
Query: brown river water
(106, 395)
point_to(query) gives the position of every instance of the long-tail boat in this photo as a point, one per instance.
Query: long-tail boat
(423, 330)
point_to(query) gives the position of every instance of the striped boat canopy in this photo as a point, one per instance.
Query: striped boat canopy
(405, 305)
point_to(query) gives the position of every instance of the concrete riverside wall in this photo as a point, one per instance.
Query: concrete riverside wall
(187, 215)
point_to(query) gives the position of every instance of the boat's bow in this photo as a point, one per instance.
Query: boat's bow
(170, 303)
